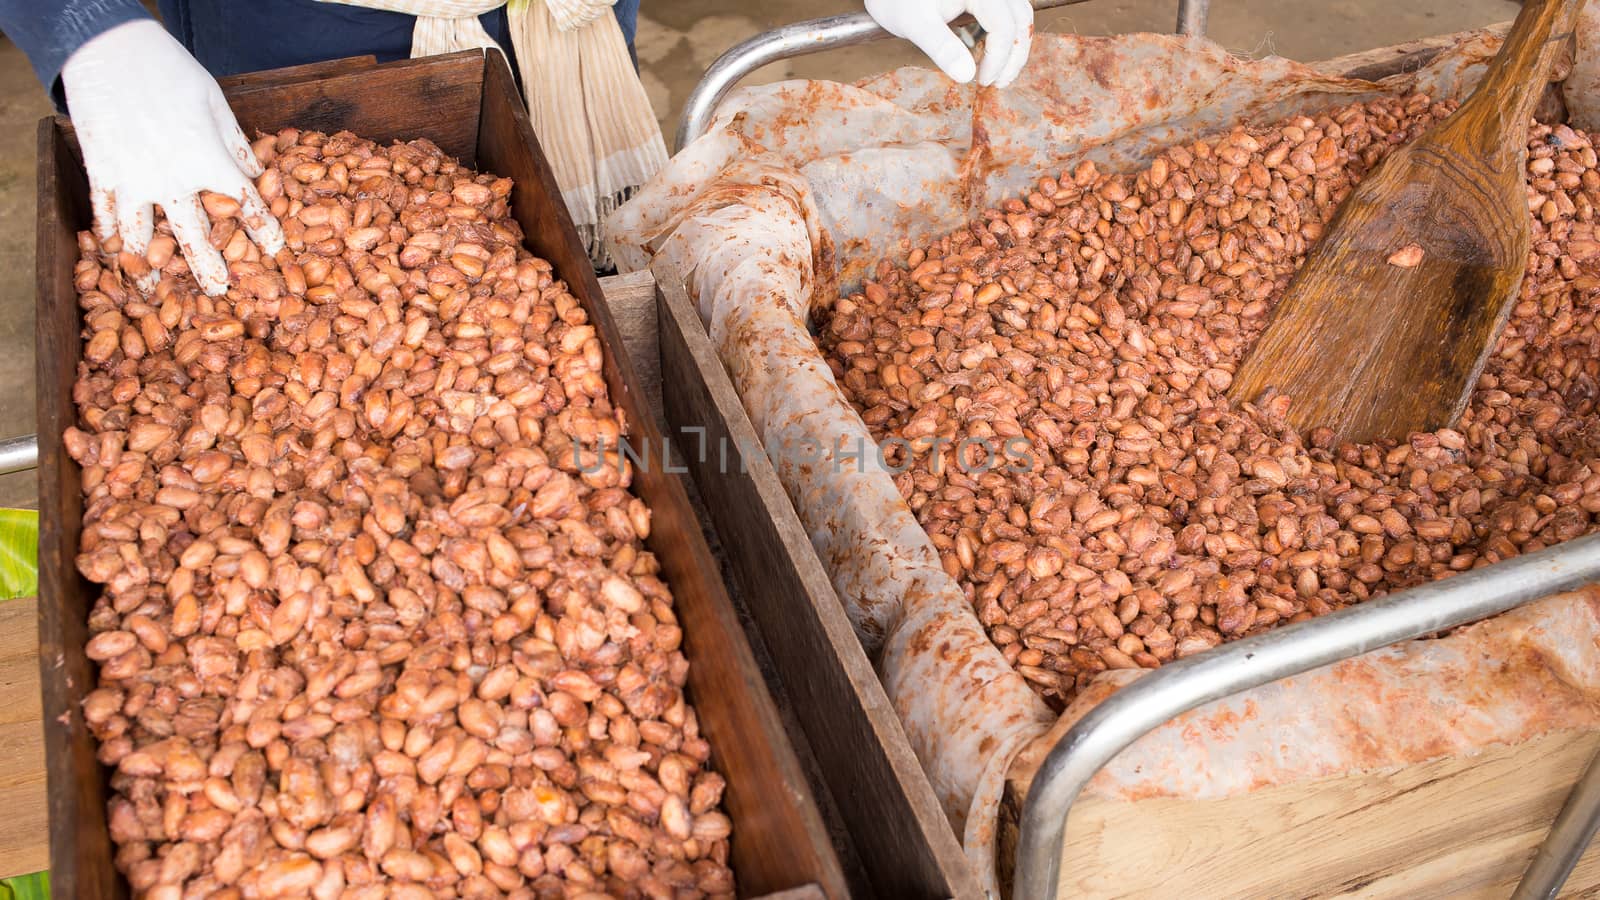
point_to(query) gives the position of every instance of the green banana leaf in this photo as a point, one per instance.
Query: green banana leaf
(26, 887)
(19, 577)
(19, 555)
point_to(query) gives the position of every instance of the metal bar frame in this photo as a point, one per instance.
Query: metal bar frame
(1192, 15)
(1186, 684)
(19, 454)
(818, 35)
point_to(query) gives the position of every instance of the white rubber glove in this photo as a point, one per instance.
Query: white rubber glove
(155, 128)
(923, 22)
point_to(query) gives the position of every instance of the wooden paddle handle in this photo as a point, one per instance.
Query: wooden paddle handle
(1519, 72)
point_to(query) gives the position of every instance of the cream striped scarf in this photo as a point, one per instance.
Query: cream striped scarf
(584, 98)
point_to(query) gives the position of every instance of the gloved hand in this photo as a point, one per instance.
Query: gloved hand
(155, 128)
(923, 22)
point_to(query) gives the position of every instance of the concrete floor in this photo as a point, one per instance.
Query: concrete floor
(22, 104)
(676, 42)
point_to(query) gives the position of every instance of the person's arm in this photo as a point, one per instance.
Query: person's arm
(154, 128)
(50, 31)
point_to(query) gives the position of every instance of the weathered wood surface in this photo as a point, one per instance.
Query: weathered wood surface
(24, 834)
(80, 847)
(1458, 827)
(904, 841)
(306, 72)
(1381, 62)
(632, 301)
(809, 892)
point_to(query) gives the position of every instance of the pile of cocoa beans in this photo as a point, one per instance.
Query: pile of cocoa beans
(377, 617)
(1099, 318)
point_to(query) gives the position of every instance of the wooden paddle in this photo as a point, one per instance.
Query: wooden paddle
(1385, 329)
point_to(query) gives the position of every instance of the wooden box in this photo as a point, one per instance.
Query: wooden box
(468, 104)
(1271, 843)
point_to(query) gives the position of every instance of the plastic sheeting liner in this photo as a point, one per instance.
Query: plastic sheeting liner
(800, 187)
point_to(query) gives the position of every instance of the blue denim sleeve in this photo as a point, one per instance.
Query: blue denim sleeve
(48, 32)
(627, 12)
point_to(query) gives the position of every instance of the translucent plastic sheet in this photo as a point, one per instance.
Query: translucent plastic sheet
(800, 187)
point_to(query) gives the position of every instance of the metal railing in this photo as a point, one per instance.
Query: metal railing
(831, 33)
(19, 454)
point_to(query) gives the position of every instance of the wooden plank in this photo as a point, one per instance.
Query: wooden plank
(631, 297)
(437, 97)
(1381, 62)
(80, 847)
(809, 892)
(632, 301)
(306, 72)
(1459, 827)
(780, 840)
(24, 829)
(821, 789)
(889, 808)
